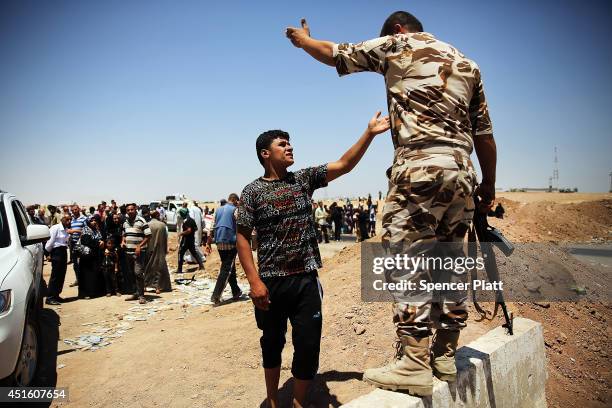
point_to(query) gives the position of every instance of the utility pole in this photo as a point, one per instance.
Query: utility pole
(556, 170)
(610, 191)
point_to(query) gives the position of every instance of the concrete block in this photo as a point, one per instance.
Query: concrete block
(494, 371)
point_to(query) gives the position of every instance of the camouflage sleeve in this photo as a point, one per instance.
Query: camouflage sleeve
(364, 56)
(479, 111)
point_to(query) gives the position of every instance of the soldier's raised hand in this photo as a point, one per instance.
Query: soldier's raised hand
(298, 35)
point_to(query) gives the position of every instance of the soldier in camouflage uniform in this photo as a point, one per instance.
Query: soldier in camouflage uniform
(438, 116)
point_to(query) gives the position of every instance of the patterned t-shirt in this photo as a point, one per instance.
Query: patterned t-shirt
(281, 213)
(434, 93)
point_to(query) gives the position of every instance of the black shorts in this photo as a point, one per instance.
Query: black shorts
(298, 299)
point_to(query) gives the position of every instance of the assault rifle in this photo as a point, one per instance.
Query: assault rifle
(487, 236)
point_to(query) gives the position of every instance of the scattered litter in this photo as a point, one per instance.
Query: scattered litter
(60, 366)
(200, 291)
(185, 297)
(123, 326)
(131, 318)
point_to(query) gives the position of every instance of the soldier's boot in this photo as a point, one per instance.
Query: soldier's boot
(443, 354)
(410, 373)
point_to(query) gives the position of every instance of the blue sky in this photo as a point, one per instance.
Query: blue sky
(134, 100)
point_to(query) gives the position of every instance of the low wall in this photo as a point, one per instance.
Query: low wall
(494, 371)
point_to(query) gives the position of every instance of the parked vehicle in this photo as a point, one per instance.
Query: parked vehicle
(21, 262)
(171, 207)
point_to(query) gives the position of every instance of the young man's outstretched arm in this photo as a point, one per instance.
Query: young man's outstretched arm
(352, 156)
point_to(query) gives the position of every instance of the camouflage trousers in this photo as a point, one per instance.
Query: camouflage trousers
(429, 206)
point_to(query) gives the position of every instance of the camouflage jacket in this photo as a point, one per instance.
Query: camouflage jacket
(434, 93)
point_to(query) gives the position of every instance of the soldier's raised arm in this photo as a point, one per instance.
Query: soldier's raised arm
(320, 50)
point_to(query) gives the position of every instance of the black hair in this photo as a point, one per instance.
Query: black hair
(403, 18)
(265, 140)
(233, 196)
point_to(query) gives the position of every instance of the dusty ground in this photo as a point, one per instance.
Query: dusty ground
(209, 357)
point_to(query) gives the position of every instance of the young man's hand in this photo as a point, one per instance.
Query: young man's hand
(298, 35)
(378, 125)
(260, 295)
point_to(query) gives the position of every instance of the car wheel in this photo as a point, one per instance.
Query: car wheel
(27, 364)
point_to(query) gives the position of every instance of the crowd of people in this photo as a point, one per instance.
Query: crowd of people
(345, 219)
(114, 250)
(118, 250)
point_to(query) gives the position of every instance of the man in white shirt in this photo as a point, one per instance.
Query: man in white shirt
(321, 219)
(57, 246)
(162, 213)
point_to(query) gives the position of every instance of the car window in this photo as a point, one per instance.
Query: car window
(172, 207)
(24, 213)
(21, 219)
(5, 234)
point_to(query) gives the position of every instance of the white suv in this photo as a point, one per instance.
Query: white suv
(21, 262)
(171, 207)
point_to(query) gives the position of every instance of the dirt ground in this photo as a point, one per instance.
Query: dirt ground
(201, 356)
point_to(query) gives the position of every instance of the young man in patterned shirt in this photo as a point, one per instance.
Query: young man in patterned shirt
(439, 114)
(278, 207)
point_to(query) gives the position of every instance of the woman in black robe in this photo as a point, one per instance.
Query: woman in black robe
(364, 224)
(91, 280)
(114, 230)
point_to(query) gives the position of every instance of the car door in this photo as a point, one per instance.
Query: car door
(37, 249)
(171, 214)
(26, 262)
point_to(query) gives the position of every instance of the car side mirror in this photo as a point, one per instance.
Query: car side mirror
(35, 234)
